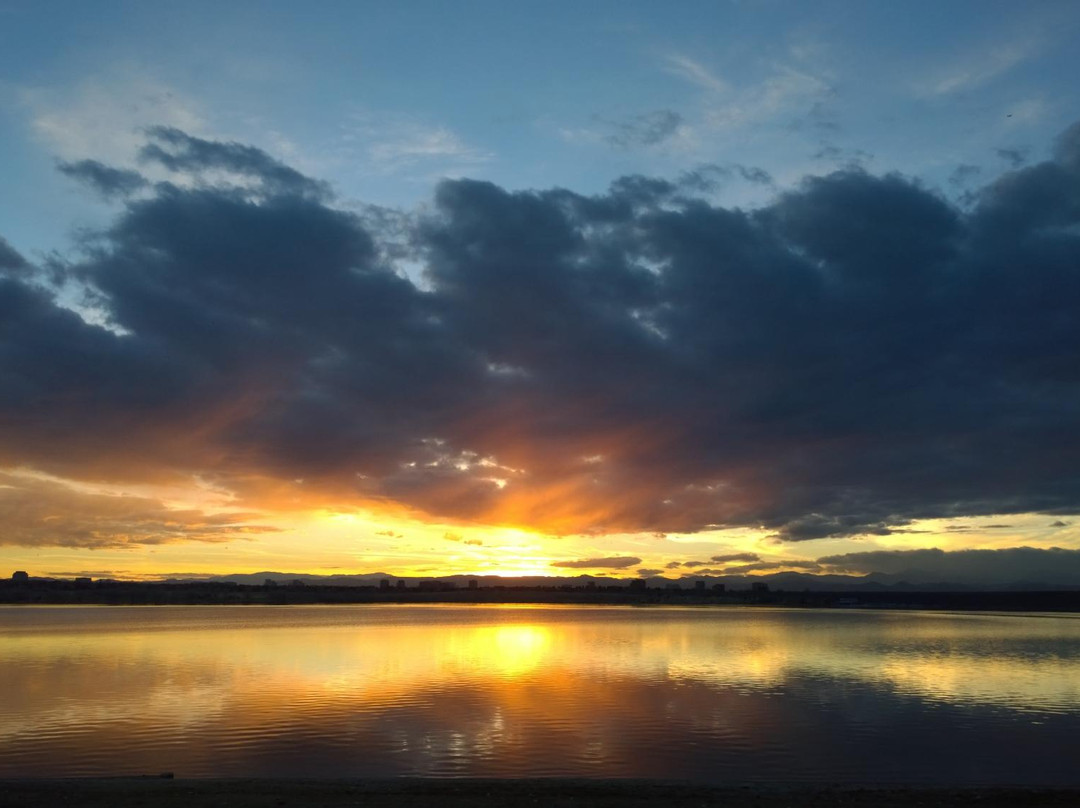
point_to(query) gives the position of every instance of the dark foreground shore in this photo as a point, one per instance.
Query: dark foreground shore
(166, 793)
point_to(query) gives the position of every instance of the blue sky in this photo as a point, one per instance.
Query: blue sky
(383, 99)
(844, 328)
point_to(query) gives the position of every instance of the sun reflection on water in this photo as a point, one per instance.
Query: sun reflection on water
(513, 650)
(498, 691)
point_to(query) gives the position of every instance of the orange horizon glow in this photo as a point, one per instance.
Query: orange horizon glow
(317, 535)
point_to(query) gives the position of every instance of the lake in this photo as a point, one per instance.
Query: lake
(706, 695)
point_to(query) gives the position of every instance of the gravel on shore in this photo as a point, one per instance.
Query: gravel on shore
(163, 792)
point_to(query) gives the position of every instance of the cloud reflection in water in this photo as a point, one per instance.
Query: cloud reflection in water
(704, 695)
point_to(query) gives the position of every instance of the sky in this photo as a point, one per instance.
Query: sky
(540, 288)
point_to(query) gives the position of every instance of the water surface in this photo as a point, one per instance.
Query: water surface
(709, 695)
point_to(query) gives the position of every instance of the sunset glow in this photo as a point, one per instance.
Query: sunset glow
(763, 295)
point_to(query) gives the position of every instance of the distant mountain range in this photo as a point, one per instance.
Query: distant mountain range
(909, 581)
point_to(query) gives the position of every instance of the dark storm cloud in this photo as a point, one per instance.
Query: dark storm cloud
(711, 176)
(1015, 564)
(9, 257)
(111, 183)
(182, 153)
(644, 130)
(856, 355)
(617, 562)
(817, 526)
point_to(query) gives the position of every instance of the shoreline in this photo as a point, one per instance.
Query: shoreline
(165, 792)
(128, 593)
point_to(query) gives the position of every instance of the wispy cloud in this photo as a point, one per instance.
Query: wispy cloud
(389, 144)
(977, 69)
(103, 119)
(781, 92)
(785, 91)
(696, 73)
(410, 147)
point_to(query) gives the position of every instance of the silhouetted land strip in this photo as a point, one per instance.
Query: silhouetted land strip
(120, 593)
(162, 793)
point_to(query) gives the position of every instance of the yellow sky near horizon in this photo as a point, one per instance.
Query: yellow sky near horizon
(324, 541)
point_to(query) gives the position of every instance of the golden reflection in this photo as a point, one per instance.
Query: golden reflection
(468, 682)
(517, 649)
(998, 681)
(505, 651)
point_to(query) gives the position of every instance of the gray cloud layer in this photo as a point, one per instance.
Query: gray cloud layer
(1014, 564)
(111, 183)
(854, 355)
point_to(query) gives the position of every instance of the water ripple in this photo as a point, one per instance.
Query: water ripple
(700, 695)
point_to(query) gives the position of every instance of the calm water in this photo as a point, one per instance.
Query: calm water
(707, 695)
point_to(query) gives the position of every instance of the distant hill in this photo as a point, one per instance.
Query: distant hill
(910, 581)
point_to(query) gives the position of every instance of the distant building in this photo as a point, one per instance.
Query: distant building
(672, 586)
(20, 576)
(437, 586)
(269, 582)
(474, 584)
(638, 584)
(296, 582)
(384, 583)
(83, 581)
(699, 586)
(400, 584)
(759, 586)
(718, 588)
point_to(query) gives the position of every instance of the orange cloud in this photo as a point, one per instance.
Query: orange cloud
(40, 513)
